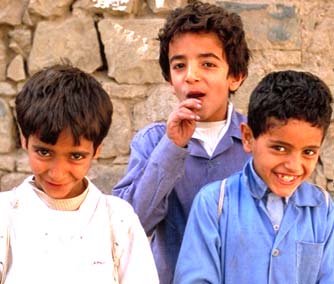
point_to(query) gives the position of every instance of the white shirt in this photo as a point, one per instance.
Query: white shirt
(55, 246)
(210, 133)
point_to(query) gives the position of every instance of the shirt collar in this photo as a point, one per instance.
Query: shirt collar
(305, 195)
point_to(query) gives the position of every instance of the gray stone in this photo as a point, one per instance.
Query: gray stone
(7, 89)
(15, 69)
(6, 128)
(74, 38)
(3, 56)
(131, 50)
(111, 7)
(157, 107)
(11, 11)
(20, 41)
(276, 27)
(119, 137)
(7, 163)
(125, 91)
(105, 177)
(49, 8)
(11, 180)
(164, 6)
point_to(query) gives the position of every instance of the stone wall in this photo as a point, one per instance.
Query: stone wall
(116, 43)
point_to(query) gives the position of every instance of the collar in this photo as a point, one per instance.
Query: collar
(306, 194)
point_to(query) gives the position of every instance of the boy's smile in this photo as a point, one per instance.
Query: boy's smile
(199, 70)
(285, 155)
(59, 169)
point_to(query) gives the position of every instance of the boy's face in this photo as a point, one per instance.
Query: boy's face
(199, 70)
(285, 155)
(60, 169)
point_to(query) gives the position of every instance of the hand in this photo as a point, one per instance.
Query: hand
(181, 122)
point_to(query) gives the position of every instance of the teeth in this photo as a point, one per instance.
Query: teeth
(287, 178)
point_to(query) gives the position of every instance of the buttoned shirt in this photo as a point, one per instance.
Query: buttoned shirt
(241, 246)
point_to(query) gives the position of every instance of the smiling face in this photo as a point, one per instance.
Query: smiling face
(198, 69)
(60, 169)
(285, 155)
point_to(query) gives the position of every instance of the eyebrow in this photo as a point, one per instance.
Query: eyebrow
(290, 145)
(201, 55)
(37, 147)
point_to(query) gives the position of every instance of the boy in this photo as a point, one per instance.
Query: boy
(57, 227)
(204, 57)
(288, 116)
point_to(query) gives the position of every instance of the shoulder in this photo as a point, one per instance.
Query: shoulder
(120, 211)
(153, 131)
(238, 117)
(209, 194)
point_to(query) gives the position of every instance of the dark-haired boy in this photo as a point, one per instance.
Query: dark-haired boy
(274, 226)
(204, 56)
(57, 227)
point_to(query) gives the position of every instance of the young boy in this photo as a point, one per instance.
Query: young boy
(288, 116)
(204, 57)
(57, 227)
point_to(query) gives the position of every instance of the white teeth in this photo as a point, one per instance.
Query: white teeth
(287, 178)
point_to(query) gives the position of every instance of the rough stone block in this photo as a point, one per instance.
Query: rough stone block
(132, 50)
(74, 38)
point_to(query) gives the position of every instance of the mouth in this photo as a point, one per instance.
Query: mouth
(287, 178)
(195, 95)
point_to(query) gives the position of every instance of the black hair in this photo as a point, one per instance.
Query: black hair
(198, 17)
(287, 95)
(63, 97)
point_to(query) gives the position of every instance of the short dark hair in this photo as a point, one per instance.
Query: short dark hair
(63, 97)
(287, 95)
(198, 17)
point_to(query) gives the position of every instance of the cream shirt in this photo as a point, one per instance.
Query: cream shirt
(56, 246)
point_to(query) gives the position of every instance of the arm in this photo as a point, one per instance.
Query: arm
(199, 259)
(155, 165)
(136, 261)
(326, 273)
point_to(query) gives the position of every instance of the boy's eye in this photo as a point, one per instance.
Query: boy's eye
(209, 64)
(178, 66)
(77, 156)
(43, 152)
(310, 152)
(279, 148)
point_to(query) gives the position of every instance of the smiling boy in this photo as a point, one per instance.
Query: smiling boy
(204, 57)
(56, 226)
(247, 241)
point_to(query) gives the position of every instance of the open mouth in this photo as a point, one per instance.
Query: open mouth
(287, 178)
(195, 95)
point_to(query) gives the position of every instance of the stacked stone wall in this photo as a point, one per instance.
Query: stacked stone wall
(117, 44)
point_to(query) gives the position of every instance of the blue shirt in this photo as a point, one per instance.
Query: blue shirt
(162, 180)
(241, 247)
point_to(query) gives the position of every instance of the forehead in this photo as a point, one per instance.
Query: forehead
(294, 132)
(183, 42)
(65, 142)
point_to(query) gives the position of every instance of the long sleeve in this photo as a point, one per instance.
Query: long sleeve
(199, 259)
(326, 272)
(136, 261)
(154, 167)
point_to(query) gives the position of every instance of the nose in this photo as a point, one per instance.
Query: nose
(294, 163)
(192, 73)
(57, 170)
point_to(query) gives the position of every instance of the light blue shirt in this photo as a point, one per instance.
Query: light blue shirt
(242, 247)
(163, 179)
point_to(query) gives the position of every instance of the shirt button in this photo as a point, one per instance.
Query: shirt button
(275, 252)
(276, 227)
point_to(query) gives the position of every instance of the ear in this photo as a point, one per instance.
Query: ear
(235, 82)
(23, 141)
(97, 152)
(247, 137)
